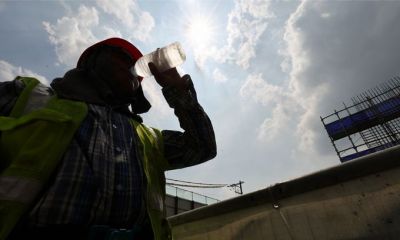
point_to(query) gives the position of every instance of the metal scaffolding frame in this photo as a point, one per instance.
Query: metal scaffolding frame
(373, 119)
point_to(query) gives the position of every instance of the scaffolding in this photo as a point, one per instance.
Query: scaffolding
(369, 125)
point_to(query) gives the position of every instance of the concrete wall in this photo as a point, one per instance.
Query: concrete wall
(359, 199)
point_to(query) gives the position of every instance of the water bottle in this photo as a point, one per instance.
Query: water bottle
(164, 58)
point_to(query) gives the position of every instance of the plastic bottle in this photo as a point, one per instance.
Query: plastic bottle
(164, 58)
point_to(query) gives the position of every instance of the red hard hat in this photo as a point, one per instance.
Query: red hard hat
(114, 42)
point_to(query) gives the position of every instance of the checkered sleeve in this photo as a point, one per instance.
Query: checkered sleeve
(196, 144)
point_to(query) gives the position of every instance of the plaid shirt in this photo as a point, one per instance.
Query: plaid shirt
(100, 179)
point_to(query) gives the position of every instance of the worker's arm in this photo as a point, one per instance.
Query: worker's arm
(196, 144)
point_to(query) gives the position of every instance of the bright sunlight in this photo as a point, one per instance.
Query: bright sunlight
(200, 31)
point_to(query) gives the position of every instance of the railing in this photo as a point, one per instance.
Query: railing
(188, 195)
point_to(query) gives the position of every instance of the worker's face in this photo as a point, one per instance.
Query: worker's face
(115, 68)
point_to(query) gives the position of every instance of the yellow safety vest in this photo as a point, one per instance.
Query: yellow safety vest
(32, 144)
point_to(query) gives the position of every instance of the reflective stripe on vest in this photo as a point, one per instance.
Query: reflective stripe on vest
(154, 164)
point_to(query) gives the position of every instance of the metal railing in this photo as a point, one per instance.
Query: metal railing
(188, 195)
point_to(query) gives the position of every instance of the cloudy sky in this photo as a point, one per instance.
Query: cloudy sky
(265, 71)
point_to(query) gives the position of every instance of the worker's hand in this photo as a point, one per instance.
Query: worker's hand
(170, 77)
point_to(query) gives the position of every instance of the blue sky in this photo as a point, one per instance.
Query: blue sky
(265, 71)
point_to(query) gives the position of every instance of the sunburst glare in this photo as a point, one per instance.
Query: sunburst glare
(200, 31)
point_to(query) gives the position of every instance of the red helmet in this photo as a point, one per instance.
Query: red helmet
(114, 42)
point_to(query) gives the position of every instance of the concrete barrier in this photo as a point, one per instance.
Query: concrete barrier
(359, 199)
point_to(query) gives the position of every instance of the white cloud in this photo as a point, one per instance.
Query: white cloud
(245, 53)
(284, 107)
(275, 126)
(218, 76)
(8, 72)
(256, 8)
(72, 34)
(329, 59)
(80, 29)
(142, 30)
(137, 21)
(261, 91)
(109, 31)
(121, 9)
(336, 50)
(246, 23)
(325, 15)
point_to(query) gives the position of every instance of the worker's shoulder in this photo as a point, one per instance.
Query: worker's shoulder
(11, 90)
(11, 87)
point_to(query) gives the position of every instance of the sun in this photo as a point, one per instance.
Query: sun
(200, 31)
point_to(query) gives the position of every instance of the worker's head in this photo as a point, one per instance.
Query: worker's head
(120, 43)
(103, 76)
(112, 61)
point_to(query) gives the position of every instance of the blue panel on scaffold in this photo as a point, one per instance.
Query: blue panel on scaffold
(384, 111)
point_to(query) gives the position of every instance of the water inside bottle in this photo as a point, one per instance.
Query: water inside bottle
(164, 59)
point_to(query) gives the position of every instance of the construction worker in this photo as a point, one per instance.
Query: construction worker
(77, 162)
